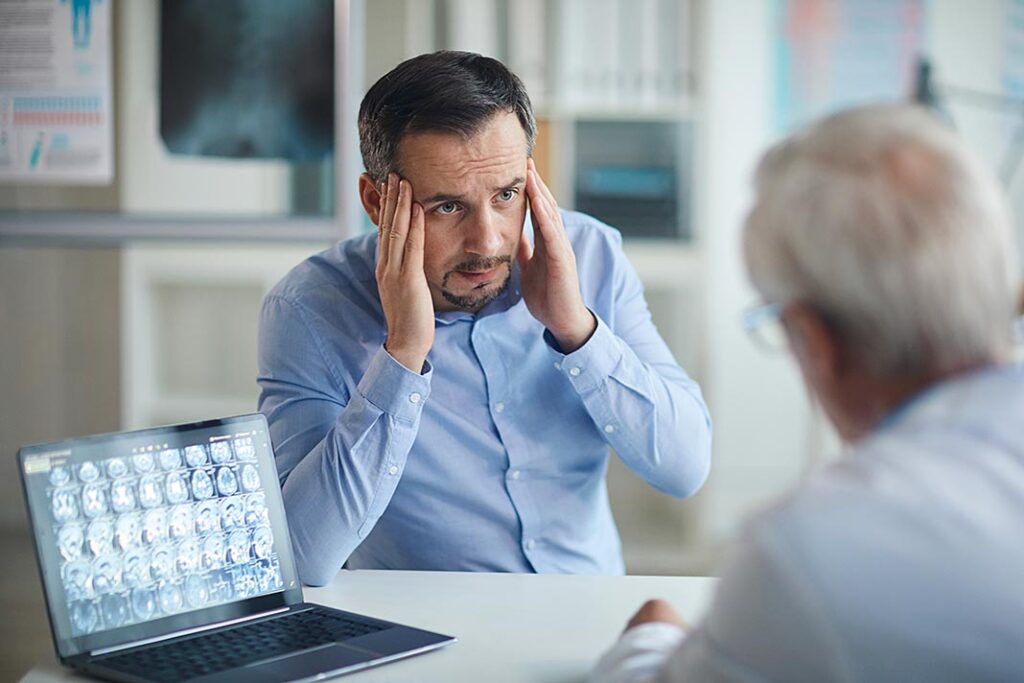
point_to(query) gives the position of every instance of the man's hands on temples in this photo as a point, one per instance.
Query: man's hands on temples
(550, 284)
(404, 294)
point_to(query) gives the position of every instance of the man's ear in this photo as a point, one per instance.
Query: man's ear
(369, 196)
(818, 350)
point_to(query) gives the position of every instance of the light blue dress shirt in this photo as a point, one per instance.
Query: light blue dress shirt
(902, 561)
(492, 459)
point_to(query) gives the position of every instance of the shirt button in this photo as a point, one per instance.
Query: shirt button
(514, 474)
(608, 429)
(575, 372)
(499, 407)
(530, 543)
(558, 366)
(415, 397)
(393, 470)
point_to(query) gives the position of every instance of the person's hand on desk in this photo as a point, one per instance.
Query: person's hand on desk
(657, 611)
(653, 633)
(550, 283)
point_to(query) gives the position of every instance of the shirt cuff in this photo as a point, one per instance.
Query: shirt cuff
(394, 388)
(588, 366)
(639, 654)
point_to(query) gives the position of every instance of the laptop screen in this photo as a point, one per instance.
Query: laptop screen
(150, 532)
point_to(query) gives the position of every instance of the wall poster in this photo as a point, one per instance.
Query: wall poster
(56, 103)
(832, 54)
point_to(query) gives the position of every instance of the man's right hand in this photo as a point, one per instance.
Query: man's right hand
(404, 294)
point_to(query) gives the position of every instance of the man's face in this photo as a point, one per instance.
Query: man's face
(473, 193)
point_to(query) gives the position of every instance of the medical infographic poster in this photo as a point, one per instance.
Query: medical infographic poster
(832, 54)
(55, 92)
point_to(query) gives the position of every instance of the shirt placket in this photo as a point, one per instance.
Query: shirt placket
(502, 415)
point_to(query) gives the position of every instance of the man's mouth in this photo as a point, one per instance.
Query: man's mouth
(474, 283)
(477, 277)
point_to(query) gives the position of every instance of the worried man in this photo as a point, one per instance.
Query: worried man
(443, 393)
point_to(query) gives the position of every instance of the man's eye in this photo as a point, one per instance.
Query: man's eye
(447, 208)
(507, 195)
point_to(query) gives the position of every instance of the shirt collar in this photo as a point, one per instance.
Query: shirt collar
(931, 394)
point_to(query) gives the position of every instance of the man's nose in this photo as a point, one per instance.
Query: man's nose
(483, 234)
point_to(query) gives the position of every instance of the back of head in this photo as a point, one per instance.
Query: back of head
(444, 91)
(879, 219)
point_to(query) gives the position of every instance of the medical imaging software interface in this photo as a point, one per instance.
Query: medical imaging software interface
(157, 531)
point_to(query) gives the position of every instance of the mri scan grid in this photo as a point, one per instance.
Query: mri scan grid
(157, 533)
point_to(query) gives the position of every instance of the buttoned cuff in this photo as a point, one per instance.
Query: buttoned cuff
(588, 366)
(394, 388)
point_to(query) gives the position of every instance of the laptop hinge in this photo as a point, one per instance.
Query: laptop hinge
(185, 632)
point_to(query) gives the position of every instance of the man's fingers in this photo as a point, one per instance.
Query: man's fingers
(538, 235)
(415, 241)
(399, 227)
(382, 193)
(550, 206)
(545, 223)
(525, 251)
(387, 217)
(543, 187)
(391, 188)
(382, 239)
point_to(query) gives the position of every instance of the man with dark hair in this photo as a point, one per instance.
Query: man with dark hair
(442, 393)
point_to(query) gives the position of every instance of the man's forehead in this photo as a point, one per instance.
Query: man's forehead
(435, 161)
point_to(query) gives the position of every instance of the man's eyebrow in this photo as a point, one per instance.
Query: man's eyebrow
(447, 197)
(441, 197)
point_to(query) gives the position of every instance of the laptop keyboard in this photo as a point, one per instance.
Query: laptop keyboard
(237, 646)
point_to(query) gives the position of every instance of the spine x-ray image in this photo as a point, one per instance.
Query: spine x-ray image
(248, 78)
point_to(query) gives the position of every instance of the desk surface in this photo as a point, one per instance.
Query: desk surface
(510, 627)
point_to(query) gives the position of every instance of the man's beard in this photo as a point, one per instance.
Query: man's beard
(475, 301)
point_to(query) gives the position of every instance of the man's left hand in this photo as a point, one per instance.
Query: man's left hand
(657, 611)
(550, 284)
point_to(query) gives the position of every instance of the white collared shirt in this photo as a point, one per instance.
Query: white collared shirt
(904, 561)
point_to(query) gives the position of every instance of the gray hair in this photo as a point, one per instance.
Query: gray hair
(879, 220)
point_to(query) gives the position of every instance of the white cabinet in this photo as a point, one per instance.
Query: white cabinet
(188, 321)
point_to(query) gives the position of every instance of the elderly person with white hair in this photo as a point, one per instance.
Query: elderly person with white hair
(885, 251)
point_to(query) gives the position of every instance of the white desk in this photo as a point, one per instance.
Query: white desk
(511, 627)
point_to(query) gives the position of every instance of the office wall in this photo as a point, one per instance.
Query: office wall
(757, 401)
(968, 47)
(59, 353)
(58, 307)
(767, 432)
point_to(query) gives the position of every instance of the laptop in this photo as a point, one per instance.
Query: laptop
(165, 556)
